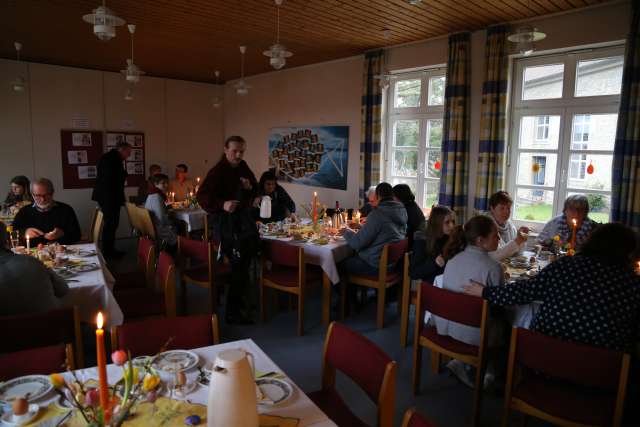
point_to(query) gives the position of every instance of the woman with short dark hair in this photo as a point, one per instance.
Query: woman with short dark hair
(19, 194)
(576, 207)
(415, 221)
(282, 206)
(512, 240)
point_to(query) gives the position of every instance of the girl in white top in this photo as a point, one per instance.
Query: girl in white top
(156, 203)
(511, 240)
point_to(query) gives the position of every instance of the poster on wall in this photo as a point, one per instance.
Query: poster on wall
(317, 156)
(81, 151)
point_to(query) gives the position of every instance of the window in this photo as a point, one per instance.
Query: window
(414, 133)
(563, 129)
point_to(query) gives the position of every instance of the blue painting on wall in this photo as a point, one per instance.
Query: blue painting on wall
(317, 156)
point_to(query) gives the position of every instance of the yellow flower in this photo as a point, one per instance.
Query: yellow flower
(556, 238)
(9, 229)
(571, 252)
(136, 374)
(57, 380)
(150, 382)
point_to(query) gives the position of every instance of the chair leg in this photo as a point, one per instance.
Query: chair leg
(381, 300)
(477, 395)
(417, 368)
(300, 315)
(435, 362)
(214, 297)
(343, 299)
(183, 296)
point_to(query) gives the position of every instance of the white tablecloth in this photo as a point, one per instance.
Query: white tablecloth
(194, 217)
(326, 256)
(299, 406)
(93, 290)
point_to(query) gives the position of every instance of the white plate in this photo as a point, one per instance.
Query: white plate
(84, 253)
(65, 273)
(274, 391)
(34, 385)
(7, 417)
(81, 268)
(175, 360)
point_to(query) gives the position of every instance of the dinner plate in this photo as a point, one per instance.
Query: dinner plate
(82, 268)
(175, 360)
(85, 253)
(65, 273)
(32, 387)
(274, 391)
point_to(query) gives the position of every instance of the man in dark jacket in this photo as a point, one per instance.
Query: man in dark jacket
(109, 193)
(228, 193)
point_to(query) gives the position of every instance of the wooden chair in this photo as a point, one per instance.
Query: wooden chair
(28, 331)
(408, 299)
(564, 383)
(413, 419)
(96, 226)
(367, 365)
(37, 361)
(287, 274)
(134, 220)
(146, 337)
(459, 308)
(143, 277)
(146, 223)
(157, 301)
(391, 254)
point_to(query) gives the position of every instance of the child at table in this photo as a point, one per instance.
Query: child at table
(156, 203)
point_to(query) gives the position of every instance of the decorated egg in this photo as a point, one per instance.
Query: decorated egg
(192, 420)
(20, 406)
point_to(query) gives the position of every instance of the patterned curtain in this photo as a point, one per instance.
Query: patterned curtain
(455, 138)
(492, 117)
(371, 122)
(625, 201)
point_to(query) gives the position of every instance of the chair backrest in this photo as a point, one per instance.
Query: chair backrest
(146, 255)
(365, 363)
(146, 337)
(397, 251)
(577, 363)
(454, 306)
(26, 331)
(414, 419)
(282, 253)
(132, 212)
(166, 277)
(195, 250)
(36, 361)
(146, 222)
(96, 226)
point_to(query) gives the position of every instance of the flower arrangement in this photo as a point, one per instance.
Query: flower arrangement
(191, 200)
(308, 208)
(559, 247)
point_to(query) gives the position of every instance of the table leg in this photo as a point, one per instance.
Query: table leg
(326, 300)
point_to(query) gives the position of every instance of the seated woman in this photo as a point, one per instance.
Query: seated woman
(591, 298)
(156, 203)
(511, 240)
(387, 223)
(575, 207)
(427, 261)
(402, 193)
(371, 202)
(282, 206)
(19, 194)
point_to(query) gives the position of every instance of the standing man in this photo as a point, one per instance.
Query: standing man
(182, 185)
(109, 193)
(228, 193)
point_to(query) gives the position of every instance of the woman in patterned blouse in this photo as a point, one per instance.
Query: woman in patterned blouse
(591, 298)
(575, 207)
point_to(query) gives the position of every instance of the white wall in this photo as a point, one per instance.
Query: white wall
(177, 117)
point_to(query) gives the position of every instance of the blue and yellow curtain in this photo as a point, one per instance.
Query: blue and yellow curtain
(491, 151)
(455, 138)
(625, 203)
(371, 142)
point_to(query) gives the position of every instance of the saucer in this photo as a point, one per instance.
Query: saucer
(9, 419)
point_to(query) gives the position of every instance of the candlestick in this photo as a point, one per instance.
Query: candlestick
(573, 233)
(315, 208)
(102, 369)
(28, 244)
(356, 218)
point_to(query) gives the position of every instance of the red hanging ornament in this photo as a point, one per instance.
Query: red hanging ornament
(590, 168)
(437, 165)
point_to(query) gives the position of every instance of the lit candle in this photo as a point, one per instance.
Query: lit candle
(28, 244)
(573, 233)
(315, 208)
(102, 369)
(356, 219)
(198, 180)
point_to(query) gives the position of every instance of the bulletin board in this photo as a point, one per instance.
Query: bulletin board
(81, 150)
(135, 162)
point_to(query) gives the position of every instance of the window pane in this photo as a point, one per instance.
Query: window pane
(589, 171)
(408, 93)
(543, 82)
(599, 76)
(410, 182)
(431, 189)
(407, 133)
(599, 206)
(539, 132)
(594, 132)
(537, 169)
(533, 205)
(405, 163)
(434, 135)
(434, 164)
(436, 90)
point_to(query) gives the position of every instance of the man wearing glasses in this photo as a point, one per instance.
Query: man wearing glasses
(46, 220)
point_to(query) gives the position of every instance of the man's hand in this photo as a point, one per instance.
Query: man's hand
(55, 234)
(33, 233)
(230, 205)
(256, 202)
(473, 288)
(246, 184)
(440, 261)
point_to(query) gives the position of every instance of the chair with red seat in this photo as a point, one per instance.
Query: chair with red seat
(147, 337)
(157, 301)
(37, 361)
(414, 419)
(565, 383)
(143, 276)
(288, 273)
(367, 365)
(459, 308)
(28, 331)
(391, 254)
(199, 267)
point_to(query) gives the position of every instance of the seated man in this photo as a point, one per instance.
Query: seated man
(575, 207)
(182, 185)
(385, 224)
(47, 221)
(147, 186)
(371, 202)
(26, 285)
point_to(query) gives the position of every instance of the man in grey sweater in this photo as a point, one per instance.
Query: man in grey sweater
(26, 285)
